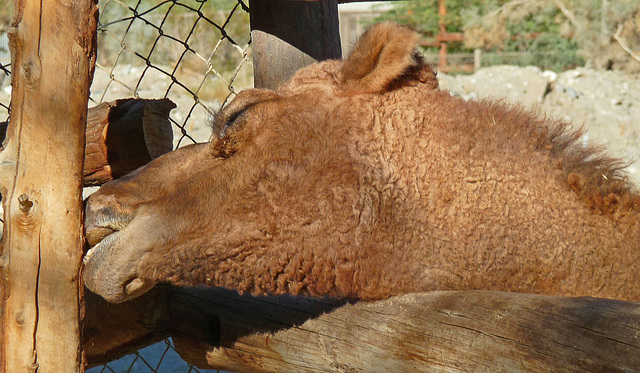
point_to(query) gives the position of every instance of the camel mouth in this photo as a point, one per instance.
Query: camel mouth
(102, 223)
(110, 265)
(102, 228)
(105, 241)
(111, 272)
(137, 286)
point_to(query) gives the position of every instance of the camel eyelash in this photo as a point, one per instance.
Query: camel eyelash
(233, 118)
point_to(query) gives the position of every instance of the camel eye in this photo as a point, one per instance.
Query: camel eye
(232, 118)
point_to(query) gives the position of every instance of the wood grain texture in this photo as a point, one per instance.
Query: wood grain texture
(123, 135)
(479, 331)
(288, 35)
(442, 331)
(53, 56)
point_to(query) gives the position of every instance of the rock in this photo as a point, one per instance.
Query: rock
(550, 75)
(571, 92)
(526, 85)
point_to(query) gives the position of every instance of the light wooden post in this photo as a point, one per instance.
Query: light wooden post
(288, 35)
(53, 54)
(477, 59)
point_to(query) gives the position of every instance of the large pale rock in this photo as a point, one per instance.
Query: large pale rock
(523, 85)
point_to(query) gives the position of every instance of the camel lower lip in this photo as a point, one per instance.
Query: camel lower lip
(87, 255)
(135, 285)
(105, 242)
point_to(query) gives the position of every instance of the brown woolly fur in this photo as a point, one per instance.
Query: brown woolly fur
(361, 178)
(597, 179)
(381, 55)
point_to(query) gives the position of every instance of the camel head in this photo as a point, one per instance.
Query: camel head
(275, 163)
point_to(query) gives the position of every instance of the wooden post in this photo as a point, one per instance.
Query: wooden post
(123, 135)
(287, 35)
(53, 55)
(477, 59)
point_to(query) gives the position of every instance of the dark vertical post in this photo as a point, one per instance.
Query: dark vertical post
(287, 35)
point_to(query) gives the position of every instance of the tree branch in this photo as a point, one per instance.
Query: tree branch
(567, 13)
(617, 38)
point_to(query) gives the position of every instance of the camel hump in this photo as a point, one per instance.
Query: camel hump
(384, 54)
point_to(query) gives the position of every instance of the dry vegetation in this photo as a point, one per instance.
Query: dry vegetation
(606, 32)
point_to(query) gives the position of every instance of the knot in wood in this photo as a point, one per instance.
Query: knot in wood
(31, 71)
(20, 318)
(24, 203)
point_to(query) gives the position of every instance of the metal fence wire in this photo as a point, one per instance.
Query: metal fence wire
(196, 53)
(159, 358)
(5, 90)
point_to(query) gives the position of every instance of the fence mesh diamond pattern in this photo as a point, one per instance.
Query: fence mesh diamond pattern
(195, 53)
(159, 358)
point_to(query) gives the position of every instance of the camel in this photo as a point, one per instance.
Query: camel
(360, 178)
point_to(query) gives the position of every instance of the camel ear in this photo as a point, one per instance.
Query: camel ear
(382, 54)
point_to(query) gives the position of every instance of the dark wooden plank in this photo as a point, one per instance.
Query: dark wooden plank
(287, 35)
(123, 135)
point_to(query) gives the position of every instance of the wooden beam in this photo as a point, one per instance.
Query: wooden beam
(114, 330)
(442, 29)
(440, 331)
(288, 35)
(123, 135)
(53, 53)
(446, 331)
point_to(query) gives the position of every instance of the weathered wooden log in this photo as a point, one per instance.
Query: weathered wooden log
(52, 54)
(439, 331)
(114, 330)
(123, 135)
(288, 35)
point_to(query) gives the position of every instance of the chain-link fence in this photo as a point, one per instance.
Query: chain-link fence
(5, 87)
(159, 358)
(194, 52)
